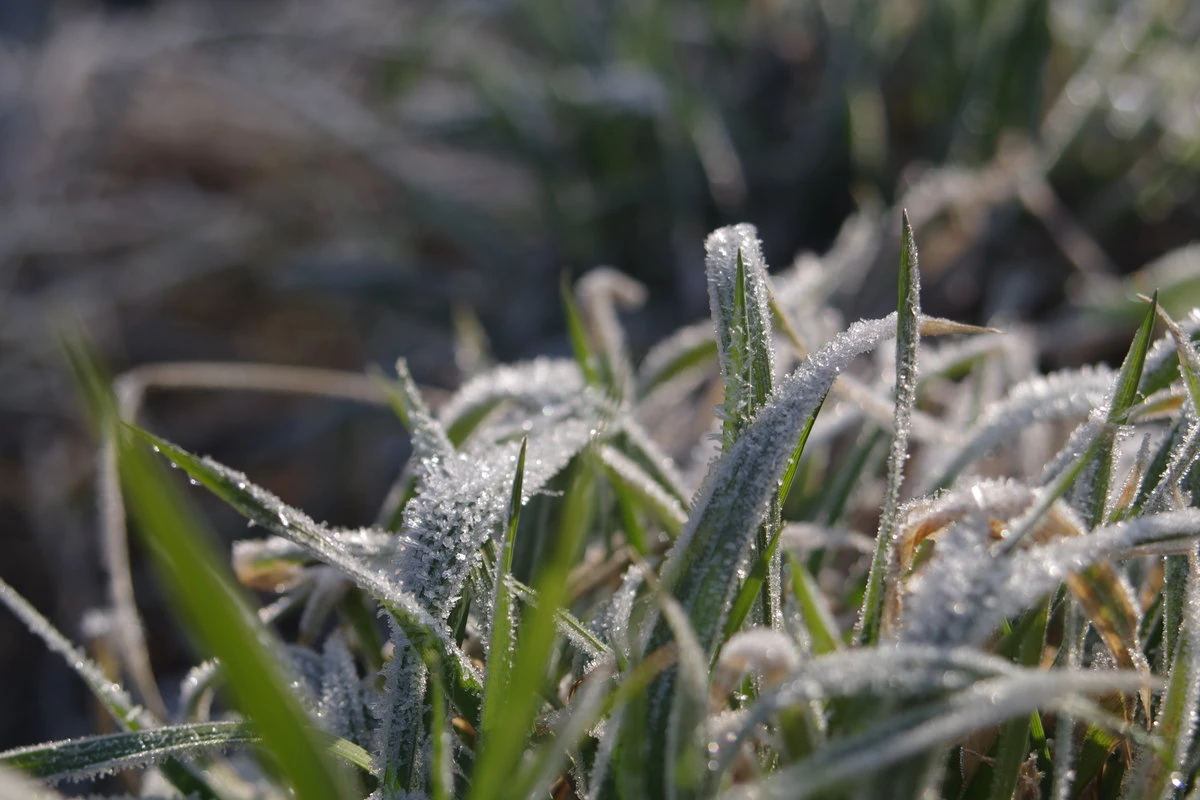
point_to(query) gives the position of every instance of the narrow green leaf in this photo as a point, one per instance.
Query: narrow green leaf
(1013, 745)
(441, 771)
(818, 618)
(205, 594)
(94, 756)
(908, 337)
(1124, 396)
(537, 634)
(497, 683)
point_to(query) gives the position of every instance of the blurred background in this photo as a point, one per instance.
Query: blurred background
(339, 184)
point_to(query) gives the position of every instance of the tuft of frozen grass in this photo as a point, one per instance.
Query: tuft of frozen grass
(549, 608)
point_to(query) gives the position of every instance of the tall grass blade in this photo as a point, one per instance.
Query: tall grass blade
(883, 563)
(212, 606)
(494, 721)
(536, 639)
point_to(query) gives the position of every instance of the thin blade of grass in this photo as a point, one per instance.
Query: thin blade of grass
(536, 640)
(497, 682)
(263, 508)
(206, 596)
(883, 563)
(96, 756)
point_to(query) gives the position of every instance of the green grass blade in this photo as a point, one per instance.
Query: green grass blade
(907, 340)
(818, 618)
(738, 292)
(94, 756)
(497, 682)
(441, 770)
(536, 637)
(1125, 393)
(205, 595)
(113, 697)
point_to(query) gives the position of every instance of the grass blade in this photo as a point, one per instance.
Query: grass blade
(497, 683)
(95, 756)
(883, 564)
(205, 594)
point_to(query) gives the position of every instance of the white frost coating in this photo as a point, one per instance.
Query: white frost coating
(1164, 347)
(113, 696)
(744, 347)
(701, 568)
(763, 651)
(537, 384)
(456, 511)
(429, 441)
(965, 591)
(341, 708)
(807, 536)
(399, 709)
(983, 705)
(1183, 456)
(1060, 395)
(892, 670)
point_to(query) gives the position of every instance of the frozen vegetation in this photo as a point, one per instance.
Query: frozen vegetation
(931, 574)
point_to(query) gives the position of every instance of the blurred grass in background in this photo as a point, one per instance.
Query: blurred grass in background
(325, 183)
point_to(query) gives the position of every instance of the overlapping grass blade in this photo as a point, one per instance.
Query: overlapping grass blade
(206, 596)
(96, 756)
(264, 509)
(940, 722)
(495, 730)
(519, 701)
(883, 563)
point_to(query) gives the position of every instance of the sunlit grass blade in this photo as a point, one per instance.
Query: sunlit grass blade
(95, 756)
(1125, 394)
(498, 679)
(818, 618)
(205, 594)
(536, 637)
(883, 566)
(441, 768)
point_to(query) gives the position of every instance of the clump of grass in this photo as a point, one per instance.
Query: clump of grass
(938, 576)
